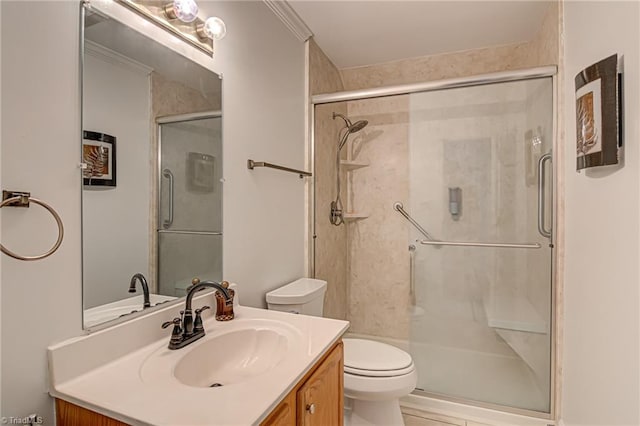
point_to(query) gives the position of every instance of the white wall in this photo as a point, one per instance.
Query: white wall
(262, 101)
(116, 220)
(601, 324)
(41, 300)
(0, 222)
(263, 66)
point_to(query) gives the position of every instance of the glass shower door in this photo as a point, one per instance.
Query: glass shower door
(482, 322)
(190, 203)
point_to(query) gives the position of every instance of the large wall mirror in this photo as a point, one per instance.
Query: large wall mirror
(152, 170)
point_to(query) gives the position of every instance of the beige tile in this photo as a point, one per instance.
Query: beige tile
(331, 241)
(378, 246)
(324, 77)
(435, 67)
(170, 97)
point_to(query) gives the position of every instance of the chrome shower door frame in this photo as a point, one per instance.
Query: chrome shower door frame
(156, 222)
(557, 158)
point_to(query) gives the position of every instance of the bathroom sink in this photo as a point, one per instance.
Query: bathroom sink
(231, 358)
(230, 353)
(110, 311)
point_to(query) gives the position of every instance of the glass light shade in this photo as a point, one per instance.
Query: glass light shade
(215, 28)
(185, 10)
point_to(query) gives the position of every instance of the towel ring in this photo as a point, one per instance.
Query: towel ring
(55, 215)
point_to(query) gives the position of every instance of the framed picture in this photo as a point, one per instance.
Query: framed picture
(598, 115)
(99, 158)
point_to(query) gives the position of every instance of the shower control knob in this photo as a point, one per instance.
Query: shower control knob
(311, 408)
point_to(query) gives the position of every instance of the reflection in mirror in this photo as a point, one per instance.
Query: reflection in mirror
(152, 155)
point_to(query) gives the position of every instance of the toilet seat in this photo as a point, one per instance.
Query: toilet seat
(379, 373)
(375, 359)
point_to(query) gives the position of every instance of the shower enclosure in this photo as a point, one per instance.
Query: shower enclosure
(189, 223)
(448, 246)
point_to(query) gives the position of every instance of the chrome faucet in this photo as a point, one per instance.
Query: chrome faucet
(188, 329)
(145, 288)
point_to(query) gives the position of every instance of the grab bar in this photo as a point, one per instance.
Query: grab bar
(430, 241)
(252, 164)
(541, 199)
(412, 274)
(400, 208)
(478, 244)
(167, 173)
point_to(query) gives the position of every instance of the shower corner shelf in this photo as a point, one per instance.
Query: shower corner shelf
(350, 165)
(354, 216)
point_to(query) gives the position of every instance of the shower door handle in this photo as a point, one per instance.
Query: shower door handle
(541, 196)
(168, 222)
(412, 273)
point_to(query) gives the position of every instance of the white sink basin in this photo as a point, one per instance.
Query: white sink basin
(231, 358)
(232, 353)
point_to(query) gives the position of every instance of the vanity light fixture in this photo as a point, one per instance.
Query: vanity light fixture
(213, 28)
(184, 10)
(180, 18)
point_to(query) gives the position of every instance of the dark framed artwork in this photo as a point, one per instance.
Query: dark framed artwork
(99, 158)
(598, 115)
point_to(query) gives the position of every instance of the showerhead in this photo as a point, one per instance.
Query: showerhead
(357, 126)
(351, 127)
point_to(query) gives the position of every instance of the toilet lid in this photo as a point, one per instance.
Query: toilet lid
(371, 358)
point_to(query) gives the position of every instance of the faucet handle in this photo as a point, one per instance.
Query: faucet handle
(176, 321)
(176, 334)
(204, 308)
(197, 322)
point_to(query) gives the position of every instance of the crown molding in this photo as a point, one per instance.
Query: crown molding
(107, 55)
(290, 18)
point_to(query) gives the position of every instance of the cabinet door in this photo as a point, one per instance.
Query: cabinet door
(320, 399)
(284, 414)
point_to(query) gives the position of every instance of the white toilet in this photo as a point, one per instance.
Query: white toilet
(376, 375)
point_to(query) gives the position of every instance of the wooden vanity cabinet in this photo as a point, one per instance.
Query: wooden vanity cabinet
(318, 399)
(68, 414)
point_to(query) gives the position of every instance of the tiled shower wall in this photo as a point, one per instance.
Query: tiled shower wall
(330, 241)
(378, 249)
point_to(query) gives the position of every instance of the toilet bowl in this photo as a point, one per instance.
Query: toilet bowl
(376, 375)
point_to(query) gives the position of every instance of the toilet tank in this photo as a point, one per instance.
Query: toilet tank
(303, 296)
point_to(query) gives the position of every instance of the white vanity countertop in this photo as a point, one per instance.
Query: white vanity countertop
(83, 373)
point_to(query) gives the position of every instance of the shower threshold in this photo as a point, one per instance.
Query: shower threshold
(422, 403)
